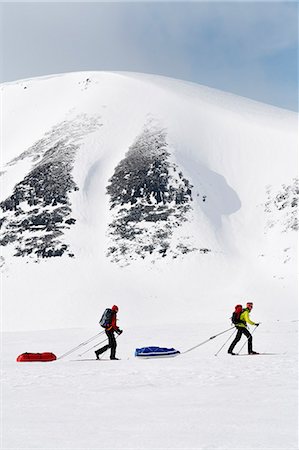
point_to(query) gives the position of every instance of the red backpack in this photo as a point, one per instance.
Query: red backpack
(236, 314)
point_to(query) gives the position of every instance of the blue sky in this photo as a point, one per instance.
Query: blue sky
(248, 48)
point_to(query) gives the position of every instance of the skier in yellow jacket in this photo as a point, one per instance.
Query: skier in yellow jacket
(242, 329)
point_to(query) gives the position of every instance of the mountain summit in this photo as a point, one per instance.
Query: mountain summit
(171, 199)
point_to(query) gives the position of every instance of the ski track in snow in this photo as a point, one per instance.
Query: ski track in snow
(192, 401)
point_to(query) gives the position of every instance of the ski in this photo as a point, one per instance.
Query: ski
(92, 359)
(257, 354)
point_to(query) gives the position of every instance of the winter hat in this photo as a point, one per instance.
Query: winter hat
(114, 308)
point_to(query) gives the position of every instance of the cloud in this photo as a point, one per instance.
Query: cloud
(258, 28)
(223, 44)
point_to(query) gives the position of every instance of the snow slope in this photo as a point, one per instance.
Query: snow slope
(72, 133)
(175, 202)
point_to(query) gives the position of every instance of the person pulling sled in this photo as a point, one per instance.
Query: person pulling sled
(240, 319)
(108, 321)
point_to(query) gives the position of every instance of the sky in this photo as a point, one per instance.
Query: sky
(247, 48)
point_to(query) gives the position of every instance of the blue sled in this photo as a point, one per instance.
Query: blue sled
(155, 352)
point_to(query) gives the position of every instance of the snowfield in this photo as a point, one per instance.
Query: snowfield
(192, 401)
(175, 202)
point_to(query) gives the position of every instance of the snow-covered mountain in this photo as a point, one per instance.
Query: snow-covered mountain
(173, 200)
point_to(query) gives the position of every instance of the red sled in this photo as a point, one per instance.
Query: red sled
(41, 357)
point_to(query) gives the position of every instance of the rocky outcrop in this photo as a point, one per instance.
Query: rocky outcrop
(37, 213)
(286, 202)
(149, 199)
(38, 210)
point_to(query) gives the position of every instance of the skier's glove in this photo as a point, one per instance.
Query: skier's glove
(119, 332)
(257, 324)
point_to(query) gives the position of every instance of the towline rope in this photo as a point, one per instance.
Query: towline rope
(81, 345)
(96, 345)
(207, 340)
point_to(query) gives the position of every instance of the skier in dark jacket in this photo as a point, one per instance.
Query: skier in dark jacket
(110, 330)
(242, 329)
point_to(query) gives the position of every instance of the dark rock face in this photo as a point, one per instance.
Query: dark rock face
(286, 202)
(38, 212)
(48, 183)
(39, 205)
(149, 198)
(67, 131)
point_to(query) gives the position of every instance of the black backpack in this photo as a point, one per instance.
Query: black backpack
(236, 314)
(106, 318)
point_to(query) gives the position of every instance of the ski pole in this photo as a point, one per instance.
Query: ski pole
(90, 348)
(207, 340)
(246, 341)
(108, 347)
(81, 345)
(225, 343)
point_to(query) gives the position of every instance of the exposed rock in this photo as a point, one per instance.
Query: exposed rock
(149, 198)
(39, 210)
(67, 131)
(285, 201)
